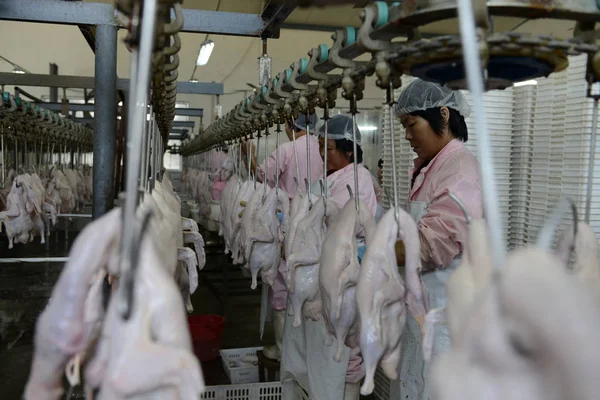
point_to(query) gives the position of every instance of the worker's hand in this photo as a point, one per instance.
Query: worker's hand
(400, 253)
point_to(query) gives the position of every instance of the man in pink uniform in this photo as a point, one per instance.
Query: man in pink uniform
(288, 170)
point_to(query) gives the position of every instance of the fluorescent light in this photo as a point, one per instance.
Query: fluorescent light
(205, 51)
(18, 70)
(367, 128)
(194, 80)
(525, 83)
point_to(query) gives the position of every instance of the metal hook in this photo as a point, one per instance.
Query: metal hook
(549, 228)
(308, 192)
(350, 191)
(461, 205)
(575, 218)
(389, 198)
(295, 153)
(133, 258)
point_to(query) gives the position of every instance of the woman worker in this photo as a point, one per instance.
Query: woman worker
(287, 181)
(434, 120)
(305, 358)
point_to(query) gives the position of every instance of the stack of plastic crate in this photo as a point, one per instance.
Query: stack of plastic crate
(521, 150)
(498, 107)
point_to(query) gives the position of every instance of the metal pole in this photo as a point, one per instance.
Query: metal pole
(393, 143)
(308, 182)
(474, 74)
(354, 152)
(591, 164)
(53, 90)
(34, 260)
(3, 159)
(105, 115)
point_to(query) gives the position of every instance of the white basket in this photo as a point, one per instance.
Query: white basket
(240, 374)
(249, 391)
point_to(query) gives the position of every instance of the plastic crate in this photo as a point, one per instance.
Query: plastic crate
(239, 375)
(250, 391)
(383, 386)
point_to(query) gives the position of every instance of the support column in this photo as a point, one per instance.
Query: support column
(105, 118)
(53, 90)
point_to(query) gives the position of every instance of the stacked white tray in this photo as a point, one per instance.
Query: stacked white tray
(521, 149)
(498, 107)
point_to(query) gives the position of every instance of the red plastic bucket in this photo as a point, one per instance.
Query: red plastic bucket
(206, 332)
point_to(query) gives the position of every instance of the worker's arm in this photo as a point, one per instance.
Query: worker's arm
(443, 229)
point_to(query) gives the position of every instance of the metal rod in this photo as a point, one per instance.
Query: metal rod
(354, 150)
(105, 116)
(325, 190)
(308, 152)
(250, 162)
(277, 157)
(3, 160)
(392, 141)
(296, 157)
(591, 163)
(146, 137)
(257, 150)
(266, 171)
(33, 260)
(74, 215)
(475, 80)
(140, 83)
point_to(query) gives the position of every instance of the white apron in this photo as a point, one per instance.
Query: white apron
(413, 373)
(306, 359)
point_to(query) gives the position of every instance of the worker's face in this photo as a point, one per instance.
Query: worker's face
(423, 139)
(336, 159)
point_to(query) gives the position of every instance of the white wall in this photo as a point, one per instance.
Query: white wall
(234, 60)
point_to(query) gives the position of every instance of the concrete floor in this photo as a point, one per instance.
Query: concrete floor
(26, 288)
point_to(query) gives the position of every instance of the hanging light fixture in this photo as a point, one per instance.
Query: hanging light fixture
(17, 70)
(205, 51)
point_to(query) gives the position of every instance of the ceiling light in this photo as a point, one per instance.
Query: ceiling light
(367, 128)
(17, 70)
(525, 83)
(194, 80)
(205, 51)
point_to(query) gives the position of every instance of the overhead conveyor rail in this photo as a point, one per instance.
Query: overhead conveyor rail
(437, 58)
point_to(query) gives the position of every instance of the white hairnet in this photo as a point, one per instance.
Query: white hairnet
(422, 95)
(340, 127)
(313, 120)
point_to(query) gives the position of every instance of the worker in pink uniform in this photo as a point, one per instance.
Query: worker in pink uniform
(287, 161)
(306, 358)
(222, 165)
(287, 172)
(340, 163)
(434, 120)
